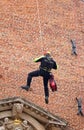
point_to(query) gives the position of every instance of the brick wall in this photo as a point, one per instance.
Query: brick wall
(27, 29)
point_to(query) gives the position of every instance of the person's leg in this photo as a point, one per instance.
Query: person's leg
(31, 75)
(74, 51)
(80, 111)
(29, 79)
(46, 91)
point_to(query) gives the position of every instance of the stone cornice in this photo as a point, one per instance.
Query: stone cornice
(23, 109)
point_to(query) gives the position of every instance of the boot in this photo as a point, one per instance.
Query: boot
(25, 87)
(46, 99)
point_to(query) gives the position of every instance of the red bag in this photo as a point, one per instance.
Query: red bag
(52, 83)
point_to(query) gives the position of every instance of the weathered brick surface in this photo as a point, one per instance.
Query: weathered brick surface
(22, 39)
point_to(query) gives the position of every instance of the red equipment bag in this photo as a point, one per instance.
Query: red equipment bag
(52, 83)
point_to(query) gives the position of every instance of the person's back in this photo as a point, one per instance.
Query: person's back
(47, 63)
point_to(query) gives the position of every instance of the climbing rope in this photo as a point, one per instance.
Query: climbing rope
(39, 22)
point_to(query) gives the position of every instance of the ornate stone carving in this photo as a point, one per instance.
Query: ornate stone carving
(2, 128)
(17, 109)
(17, 124)
(19, 114)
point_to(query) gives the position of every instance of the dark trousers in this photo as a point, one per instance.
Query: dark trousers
(80, 111)
(74, 50)
(44, 74)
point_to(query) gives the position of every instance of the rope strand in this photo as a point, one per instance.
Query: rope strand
(39, 22)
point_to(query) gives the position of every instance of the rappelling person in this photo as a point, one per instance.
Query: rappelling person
(80, 112)
(73, 47)
(47, 63)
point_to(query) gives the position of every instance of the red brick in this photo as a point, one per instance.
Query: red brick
(21, 41)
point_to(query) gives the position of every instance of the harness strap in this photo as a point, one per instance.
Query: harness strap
(45, 69)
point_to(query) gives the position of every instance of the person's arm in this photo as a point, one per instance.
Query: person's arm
(55, 65)
(38, 59)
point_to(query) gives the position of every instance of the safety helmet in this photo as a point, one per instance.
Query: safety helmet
(47, 53)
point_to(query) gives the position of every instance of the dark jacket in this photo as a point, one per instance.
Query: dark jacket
(47, 63)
